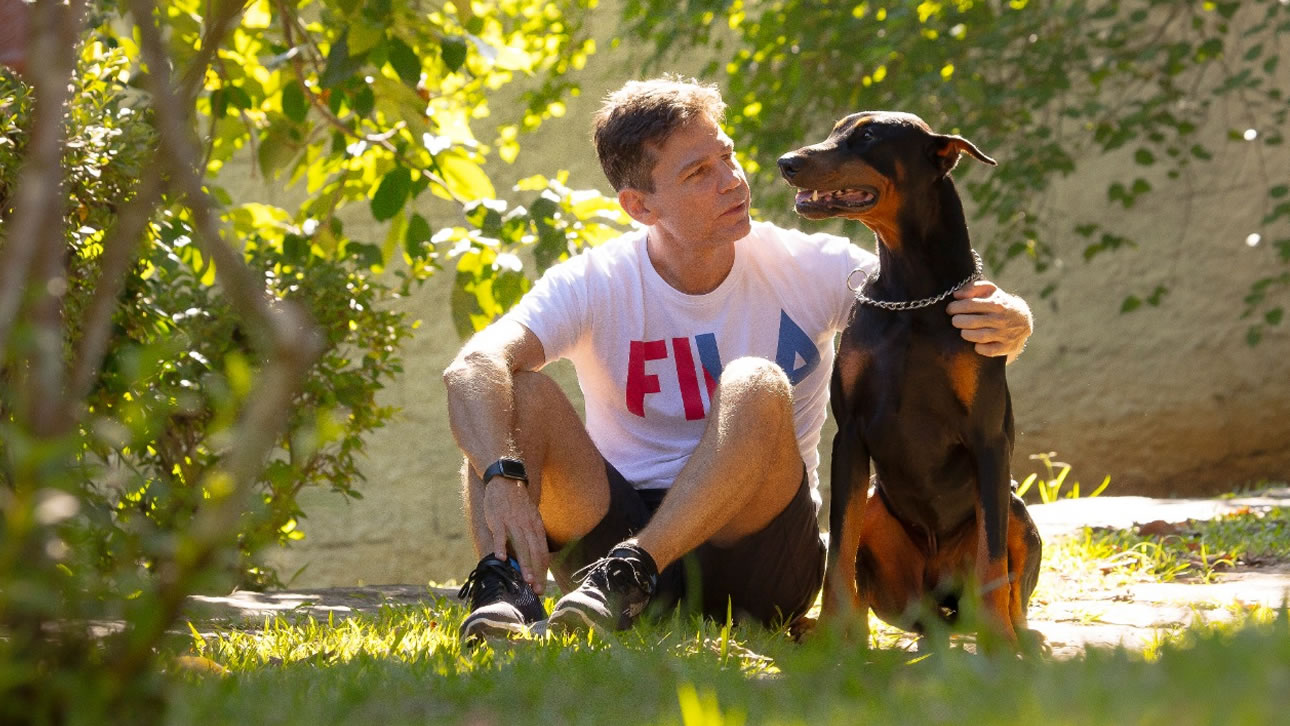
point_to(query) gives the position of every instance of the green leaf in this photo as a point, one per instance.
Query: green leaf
(1130, 304)
(1279, 191)
(340, 65)
(364, 100)
(404, 61)
(219, 103)
(453, 50)
(464, 177)
(1144, 157)
(1253, 336)
(391, 193)
(1274, 316)
(367, 254)
(238, 98)
(295, 248)
(293, 102)
(275, 151)
(416, 241)
(377, 10)
(486, 215)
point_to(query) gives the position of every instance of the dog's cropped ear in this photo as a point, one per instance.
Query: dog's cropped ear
(946, 149)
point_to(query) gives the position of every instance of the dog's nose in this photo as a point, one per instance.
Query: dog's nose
(790, 164)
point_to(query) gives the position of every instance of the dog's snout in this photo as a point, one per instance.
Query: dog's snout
(790, 164)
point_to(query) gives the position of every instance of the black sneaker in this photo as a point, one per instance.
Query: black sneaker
(501, 602)
(614, 591)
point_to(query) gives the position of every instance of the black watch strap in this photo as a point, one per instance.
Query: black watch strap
(507, 467)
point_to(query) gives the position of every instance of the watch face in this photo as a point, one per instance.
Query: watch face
(512, 469)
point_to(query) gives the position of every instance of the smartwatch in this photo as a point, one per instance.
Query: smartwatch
(507, 467)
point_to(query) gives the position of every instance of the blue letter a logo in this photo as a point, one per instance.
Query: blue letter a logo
(795, 344)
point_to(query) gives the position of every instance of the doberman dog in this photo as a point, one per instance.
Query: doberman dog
(910, 394)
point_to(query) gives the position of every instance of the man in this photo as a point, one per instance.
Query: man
(703, 346)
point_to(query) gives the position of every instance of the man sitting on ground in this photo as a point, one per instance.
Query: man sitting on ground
(703, 345)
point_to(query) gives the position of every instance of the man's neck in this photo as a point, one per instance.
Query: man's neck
(691, 269)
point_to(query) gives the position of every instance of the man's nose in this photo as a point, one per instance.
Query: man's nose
(734, 178)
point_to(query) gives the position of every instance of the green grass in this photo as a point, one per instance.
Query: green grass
(1196, 549)
(405, 666)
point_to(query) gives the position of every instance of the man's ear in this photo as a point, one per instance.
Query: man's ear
(945, 150)
(635, 203)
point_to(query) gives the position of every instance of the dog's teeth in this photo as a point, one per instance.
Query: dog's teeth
(815, 195)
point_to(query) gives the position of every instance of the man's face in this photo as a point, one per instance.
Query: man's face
(700, 192)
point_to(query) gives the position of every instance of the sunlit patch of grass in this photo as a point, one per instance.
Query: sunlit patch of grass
(1196, 549)
(403, 665)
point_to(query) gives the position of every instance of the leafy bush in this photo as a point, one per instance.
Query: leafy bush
(162, 398)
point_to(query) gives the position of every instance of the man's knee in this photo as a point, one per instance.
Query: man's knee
(753, 381)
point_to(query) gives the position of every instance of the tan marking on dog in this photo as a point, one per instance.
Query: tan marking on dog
(1018, 553)
(851, 363)
(898, 581)
(964, 370)
(992, 579)
(843, 604)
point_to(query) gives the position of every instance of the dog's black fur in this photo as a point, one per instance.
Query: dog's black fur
(910, 394)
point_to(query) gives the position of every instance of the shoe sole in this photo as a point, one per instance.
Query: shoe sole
(485, 628)
(561, 622)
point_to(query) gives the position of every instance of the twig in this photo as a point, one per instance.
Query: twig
(280, 332)
(38, 199)
(36, 237)
(118, 255)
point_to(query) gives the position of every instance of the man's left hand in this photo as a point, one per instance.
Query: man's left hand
(998, 323)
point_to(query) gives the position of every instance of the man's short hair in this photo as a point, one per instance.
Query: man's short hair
(639, 117)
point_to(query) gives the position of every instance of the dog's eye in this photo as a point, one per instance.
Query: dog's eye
(863, 136)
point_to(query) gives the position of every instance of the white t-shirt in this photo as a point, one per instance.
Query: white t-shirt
(647, 356)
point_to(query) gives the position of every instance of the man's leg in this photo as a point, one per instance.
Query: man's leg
(567, 481)
(744, 472)
(566, 473)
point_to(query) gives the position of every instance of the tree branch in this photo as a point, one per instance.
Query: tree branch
(281, 332)
(31, 265)
(119, 250)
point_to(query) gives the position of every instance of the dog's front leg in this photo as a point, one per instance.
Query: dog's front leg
(992, 536)
(845, 606)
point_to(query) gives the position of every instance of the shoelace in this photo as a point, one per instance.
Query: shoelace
(481, 588)
(609, 571)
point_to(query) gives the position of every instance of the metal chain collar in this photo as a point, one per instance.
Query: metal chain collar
(977, 269)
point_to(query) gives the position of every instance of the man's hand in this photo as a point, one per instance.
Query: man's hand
(998, 323)
(511, 514)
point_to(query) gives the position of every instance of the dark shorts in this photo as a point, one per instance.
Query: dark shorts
(771, 577)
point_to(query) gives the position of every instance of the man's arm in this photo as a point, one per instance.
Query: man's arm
(997, 322)
(481, 413)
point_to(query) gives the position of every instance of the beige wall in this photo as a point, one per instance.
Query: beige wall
(1166, 400)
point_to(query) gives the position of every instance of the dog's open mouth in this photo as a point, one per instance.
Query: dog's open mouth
(818, 203)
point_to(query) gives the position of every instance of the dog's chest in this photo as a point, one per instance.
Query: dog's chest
(893, 366)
